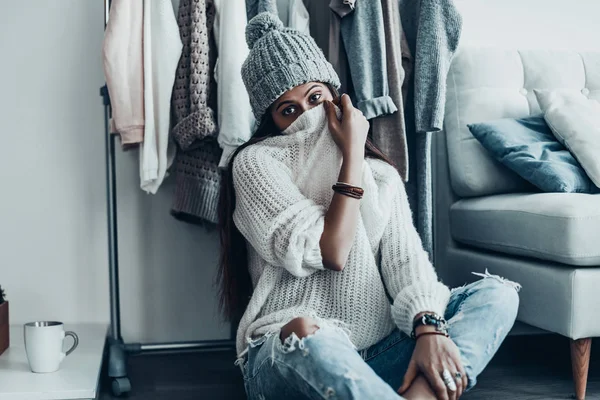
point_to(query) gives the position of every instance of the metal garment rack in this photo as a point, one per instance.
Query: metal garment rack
(118, 350)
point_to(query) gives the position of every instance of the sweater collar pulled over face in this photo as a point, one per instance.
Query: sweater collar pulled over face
(311, 121)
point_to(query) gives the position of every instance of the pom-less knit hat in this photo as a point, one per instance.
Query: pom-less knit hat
(280, 59)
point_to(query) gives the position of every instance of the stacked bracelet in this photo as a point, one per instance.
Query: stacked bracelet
(439, 322)
(348, 190)
(445, 334)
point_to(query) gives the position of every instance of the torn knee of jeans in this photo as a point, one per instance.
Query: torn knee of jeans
(291, 343)
(487, 275)
(258, 341)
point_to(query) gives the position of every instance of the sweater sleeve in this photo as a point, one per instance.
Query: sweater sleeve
(364, 41)
(276, 219)
(123, 69)
(408, 275)
(434, 28)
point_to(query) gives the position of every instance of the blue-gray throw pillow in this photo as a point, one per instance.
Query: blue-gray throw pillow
(528, 147)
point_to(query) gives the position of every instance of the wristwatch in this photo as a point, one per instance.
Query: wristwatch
(431, 319)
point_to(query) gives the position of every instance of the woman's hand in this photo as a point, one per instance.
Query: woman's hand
(433, 354)
(351, 133)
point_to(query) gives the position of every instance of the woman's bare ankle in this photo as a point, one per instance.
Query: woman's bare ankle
(419, 390)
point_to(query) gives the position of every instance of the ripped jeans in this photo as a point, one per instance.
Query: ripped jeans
(325, 365)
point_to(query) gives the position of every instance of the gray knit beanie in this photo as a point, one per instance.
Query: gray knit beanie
(280, 59)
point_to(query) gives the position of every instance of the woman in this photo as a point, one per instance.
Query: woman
(319, 252)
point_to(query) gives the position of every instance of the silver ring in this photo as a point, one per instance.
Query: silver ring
(449, 381)
(458, 375)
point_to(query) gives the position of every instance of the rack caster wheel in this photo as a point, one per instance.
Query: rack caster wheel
(120, 386)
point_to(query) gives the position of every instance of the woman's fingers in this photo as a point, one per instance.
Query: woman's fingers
(346, 103)
(409, 377)
(434, 377)
(464, 378)
(460, 388)
(351, 132)
(453, 389)
(463, 381)
(334, 123)
(458, 382)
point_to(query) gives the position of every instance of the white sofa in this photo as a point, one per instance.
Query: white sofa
(486, 216)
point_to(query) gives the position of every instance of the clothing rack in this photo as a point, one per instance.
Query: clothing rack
(118, 349)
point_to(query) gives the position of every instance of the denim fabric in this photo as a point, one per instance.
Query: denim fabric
(326, 365)
(528, 147)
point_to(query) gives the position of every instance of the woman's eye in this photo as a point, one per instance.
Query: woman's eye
(315, 97)
(288, 111)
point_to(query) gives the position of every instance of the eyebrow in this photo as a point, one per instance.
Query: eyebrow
(316, 85)
(311, 88)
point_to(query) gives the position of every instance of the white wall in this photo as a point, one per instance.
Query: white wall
(53, 258)
(52, 235)
(557, 24)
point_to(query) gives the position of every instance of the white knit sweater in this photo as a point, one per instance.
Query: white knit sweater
(283, 190)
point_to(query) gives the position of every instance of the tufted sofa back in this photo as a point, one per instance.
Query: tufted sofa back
(486, 84)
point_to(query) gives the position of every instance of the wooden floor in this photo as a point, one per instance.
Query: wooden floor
(526, 368)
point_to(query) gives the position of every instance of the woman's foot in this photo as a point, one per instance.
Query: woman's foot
(419, 390)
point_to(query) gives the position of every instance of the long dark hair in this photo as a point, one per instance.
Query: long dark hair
(235, 285)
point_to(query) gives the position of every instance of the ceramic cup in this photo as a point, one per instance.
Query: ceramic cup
(44, 344)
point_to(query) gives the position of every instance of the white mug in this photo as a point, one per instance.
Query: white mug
(44, 343)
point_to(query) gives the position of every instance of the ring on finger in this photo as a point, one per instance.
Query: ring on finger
(458, 375)
(449, 381)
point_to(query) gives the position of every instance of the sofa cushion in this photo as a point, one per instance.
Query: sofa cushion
(528, 147)
(561, 227)
(575, 120)
(486, 84)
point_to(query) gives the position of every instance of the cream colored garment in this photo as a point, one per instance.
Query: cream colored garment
(234, 114)
(162, 49)
(123, 69)
(283, 190)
